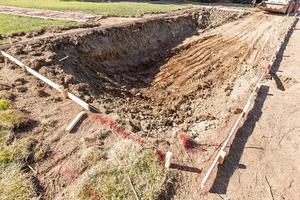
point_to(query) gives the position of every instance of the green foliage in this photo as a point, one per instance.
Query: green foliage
(4, 104)
(9, 118)
(5, 157)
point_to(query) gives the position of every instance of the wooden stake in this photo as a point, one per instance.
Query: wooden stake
(75, 121)
(63, 92)
(221, 157)
(168, 159)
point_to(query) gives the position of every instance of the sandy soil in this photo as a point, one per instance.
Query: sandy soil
(192, 81)
(264, 160)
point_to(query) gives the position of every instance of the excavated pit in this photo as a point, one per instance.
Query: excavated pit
(160, 74)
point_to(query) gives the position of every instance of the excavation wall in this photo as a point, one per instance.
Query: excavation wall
(106, 59)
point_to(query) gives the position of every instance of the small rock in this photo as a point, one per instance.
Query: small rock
(139, 95)
(50, 55)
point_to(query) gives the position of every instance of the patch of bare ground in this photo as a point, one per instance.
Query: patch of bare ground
(187, 72)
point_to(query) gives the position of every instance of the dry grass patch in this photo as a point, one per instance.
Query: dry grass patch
(13, 185)
(109, 179)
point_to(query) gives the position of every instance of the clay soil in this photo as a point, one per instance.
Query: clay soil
(187, 72)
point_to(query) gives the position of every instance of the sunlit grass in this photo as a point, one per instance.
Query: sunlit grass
(13, 185)
(14, 23)
(104, 8)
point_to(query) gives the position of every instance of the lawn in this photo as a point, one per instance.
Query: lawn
(14, 23)
(115, 8)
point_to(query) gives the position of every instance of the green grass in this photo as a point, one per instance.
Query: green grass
(9, 117)
(115, 8)
(4, 104)
(13, 185)
(14, 23)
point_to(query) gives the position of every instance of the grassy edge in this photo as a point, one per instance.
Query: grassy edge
(14, 24)
(13, 184)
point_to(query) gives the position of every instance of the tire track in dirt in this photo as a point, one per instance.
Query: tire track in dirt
(215, 56)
